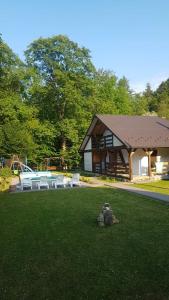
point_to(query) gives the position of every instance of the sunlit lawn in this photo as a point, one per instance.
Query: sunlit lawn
(161, 186)
(51, 247)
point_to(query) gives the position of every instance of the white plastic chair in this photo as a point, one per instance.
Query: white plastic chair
(59, 181)
(75, 180)
(43, 183)
(26, 183)
(54, 181)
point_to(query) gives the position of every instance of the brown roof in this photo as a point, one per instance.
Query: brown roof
(138, 131)
(135, 131)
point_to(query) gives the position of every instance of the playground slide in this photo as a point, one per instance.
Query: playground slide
(23, 167)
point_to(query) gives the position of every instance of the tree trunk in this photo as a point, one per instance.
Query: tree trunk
(63, 148)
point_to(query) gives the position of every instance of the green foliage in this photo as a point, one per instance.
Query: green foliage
(5, 178)
(61, 86)
(151, 101)
(162, 99)
(163, 109)
(10, 68)
(105, 93)
(157, 101)
(108, 178)
(20, 130)
(58, 53)
(4, 184)
(5, 172)
(140, 105)
(85, 179)
(47, 103)
(86, 174)
(123, 97)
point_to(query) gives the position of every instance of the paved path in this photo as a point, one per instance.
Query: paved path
(139, 191)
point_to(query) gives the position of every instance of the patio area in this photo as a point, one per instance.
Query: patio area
(34, 181)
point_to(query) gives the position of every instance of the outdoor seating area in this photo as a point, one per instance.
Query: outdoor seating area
(46, 180)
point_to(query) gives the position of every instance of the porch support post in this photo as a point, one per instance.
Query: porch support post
(148, 152)
(149, 164)
(92, 163)
(130, 152)
(100, 154)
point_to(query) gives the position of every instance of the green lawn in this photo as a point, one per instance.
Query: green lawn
(161, 186)
(51, 248)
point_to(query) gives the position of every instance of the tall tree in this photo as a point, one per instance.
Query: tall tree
(151, 100)
(162, 98)
(123, 97)
(103, 100)
(140, 104)
(20, 130)
(64, 85)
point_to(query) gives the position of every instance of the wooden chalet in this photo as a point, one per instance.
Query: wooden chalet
(128, 146)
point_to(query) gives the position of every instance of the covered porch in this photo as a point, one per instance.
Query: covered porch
(129, 163)
(129, 147)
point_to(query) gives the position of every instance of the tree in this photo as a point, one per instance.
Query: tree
(162, 98)
(103, 100)
(9, 69)
(62, 87)
(148, 95)
(123, 97)
(140, 104)
(20, 130)
(111, 96)
(15, 138)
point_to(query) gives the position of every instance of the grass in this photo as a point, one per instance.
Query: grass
(104, 178)
(161, 186)
(51, 247)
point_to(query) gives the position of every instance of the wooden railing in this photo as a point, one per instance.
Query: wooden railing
(117, 169)
(102, 142)
(113, 169)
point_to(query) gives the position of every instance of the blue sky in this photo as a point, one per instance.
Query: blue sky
(129, 37)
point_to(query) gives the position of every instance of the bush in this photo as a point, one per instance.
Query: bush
(85, 179)
(87, 174)
(67, 174)
(5, 172)
(5, 178)
(108, 178)
(4, 184)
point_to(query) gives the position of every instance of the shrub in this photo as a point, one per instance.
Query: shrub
(108, 178)
(87, 174)
(85, 179)
(5, 178)
(5, 172)
(4, 184)
(67, 174)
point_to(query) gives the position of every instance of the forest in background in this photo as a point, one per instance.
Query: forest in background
(48, 100)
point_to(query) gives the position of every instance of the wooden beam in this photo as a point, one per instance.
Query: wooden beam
(149, 163)
(131, 152)
(148, 153)
(92, 163)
